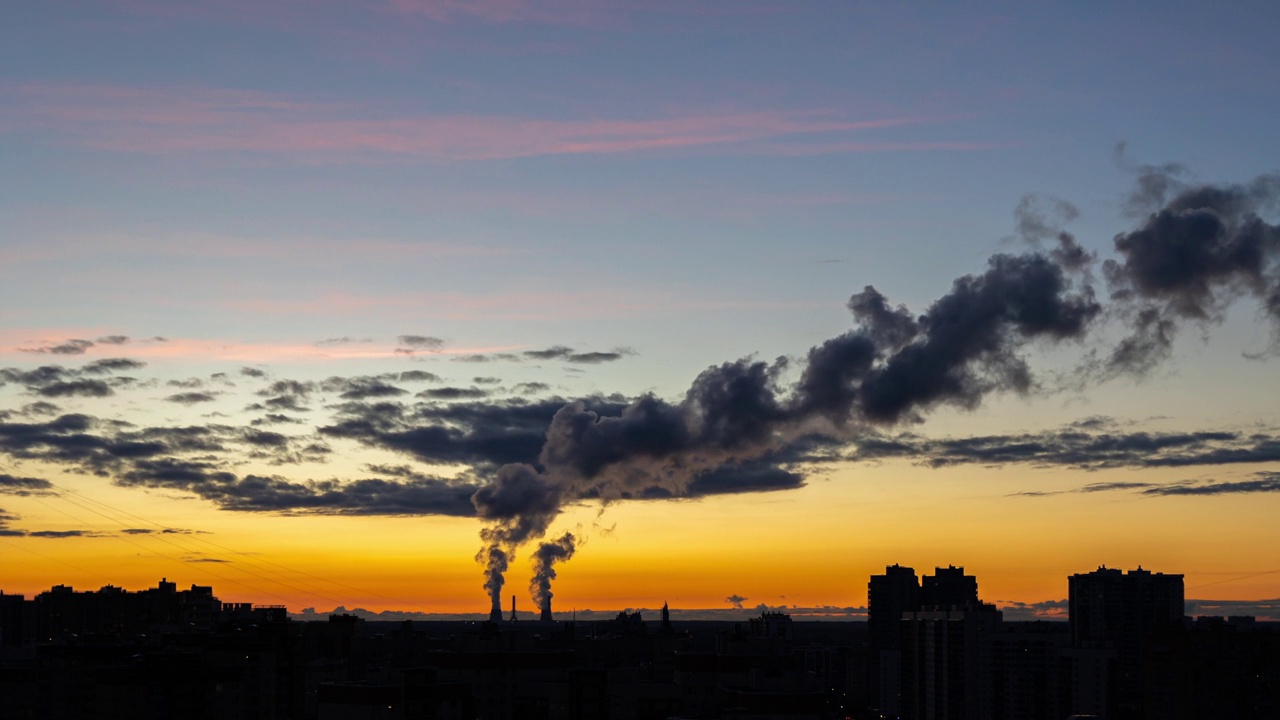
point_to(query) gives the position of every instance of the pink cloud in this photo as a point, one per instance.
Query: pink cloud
(173, 120)
(844, 148)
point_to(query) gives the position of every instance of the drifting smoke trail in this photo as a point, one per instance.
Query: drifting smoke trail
(1187, 261)
(544, 571)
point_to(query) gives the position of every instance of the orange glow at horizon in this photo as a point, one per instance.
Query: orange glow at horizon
(812, 547)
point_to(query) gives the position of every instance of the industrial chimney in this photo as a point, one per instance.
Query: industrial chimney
(495, 613)
(513, 608)
(546, 609)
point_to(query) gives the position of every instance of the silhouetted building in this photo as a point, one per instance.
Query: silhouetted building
(17, 620)
(948, 588)
(948, 663)
(890, 595)
(1032, 671)
(1211, 669)
(1113, 615)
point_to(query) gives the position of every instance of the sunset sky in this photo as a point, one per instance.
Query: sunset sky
(284, 284)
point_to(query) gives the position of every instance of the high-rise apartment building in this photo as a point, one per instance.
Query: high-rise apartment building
(1113, 614)
(890, 595)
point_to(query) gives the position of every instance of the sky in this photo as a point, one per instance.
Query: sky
(417, 304)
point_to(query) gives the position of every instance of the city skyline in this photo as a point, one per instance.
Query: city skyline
(317, 302)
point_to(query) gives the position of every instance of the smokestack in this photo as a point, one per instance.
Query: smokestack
(495, 614)
(546, 610)
(513, 608)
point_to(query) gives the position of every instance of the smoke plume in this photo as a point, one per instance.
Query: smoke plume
(544, 571)
(1191, 259)
(1187, 261)
(495, 561)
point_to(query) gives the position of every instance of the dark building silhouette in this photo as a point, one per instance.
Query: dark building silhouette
(947, 661)
(948, 588)
(890, 595)
(947, 650)
(164, 653)
(1113, 615)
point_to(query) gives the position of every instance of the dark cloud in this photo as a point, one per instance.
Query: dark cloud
(417, 376)
(519, 502)
(76, 388)
(593, 358)
(481, 380)
(6, 531)
(484, 358)
(1075, 447)
(568, 354)
(188, 384)
(23, 486)
(69, 347)
(746, 478)
(1039, 217)
(275, 419)
(531, 388)
(736, 601)
(114, 340)
(410, 344)
(1262, 483)
(111, 365)
(1191, 258)
(192, 398)
(361, 388)
(252, 372)
(60, 534)
(968, 341)
(257, 493)
(33, 379)
(263, 438)
(40, 408)
(555, 352)
(453, 393)
(289, 395)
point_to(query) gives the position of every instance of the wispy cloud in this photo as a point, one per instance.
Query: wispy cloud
(178, 348)
(207, 120)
